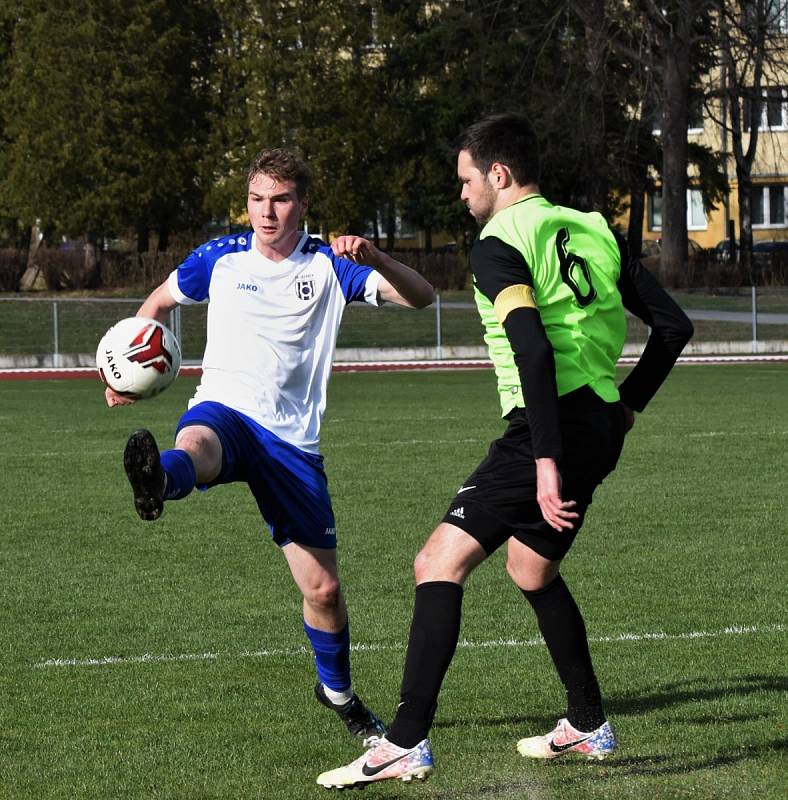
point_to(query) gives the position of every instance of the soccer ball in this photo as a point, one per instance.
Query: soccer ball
(138, 357)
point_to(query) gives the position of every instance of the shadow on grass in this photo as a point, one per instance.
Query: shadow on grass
(672, 694)
(694, 691)
(660, 765)
(573, 773)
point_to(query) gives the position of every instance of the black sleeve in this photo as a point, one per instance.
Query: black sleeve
(496, 266)
(670, 331)
(533, 355)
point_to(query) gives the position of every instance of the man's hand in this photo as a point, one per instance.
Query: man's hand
(115, 399)
(555, 511)
(399, 284)
(357, 249)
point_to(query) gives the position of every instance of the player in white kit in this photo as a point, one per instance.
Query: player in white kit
(275, 301)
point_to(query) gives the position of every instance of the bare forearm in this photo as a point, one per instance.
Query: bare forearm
(401, 284)
(413, 288)
(158, 304)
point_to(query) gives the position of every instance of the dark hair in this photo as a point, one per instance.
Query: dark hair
(283, 166)
(506, 138)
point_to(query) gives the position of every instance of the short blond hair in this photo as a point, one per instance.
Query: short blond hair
(281, 165)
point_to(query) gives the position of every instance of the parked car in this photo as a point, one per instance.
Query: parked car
(771, 246)
(766, 253)
(758, 246)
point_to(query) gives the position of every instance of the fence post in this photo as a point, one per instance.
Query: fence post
(56, 336)
(439, 348)
(754, 320)
(175, 324)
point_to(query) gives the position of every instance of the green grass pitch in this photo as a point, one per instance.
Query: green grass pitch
(204, 690)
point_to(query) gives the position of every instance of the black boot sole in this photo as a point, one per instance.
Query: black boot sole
(143, 469)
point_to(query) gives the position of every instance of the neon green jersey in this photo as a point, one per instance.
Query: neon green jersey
(571, 262)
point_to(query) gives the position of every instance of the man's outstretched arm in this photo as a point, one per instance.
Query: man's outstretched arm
(157, 306)
(401, 284)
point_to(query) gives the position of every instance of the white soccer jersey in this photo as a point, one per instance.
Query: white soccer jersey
(272, 328)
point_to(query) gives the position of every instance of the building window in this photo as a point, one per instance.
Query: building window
(694, 115)
(774, 110)
(774, 15)
(768, 206)
(696, 213)
(695, 119)
(777, 16)
(655, 210)
(777, 204)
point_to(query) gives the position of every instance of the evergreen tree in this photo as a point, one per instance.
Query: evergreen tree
(104, 110)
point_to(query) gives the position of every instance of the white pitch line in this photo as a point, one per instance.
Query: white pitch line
(748, 434)
(150, 658)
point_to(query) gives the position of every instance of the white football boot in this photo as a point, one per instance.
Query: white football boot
(598, 744)
(384, 760)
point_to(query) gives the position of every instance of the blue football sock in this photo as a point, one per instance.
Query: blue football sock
(181, 477)
(332, 656)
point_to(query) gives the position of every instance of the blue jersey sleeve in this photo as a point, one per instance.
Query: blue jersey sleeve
(352, 277)
(194, 275)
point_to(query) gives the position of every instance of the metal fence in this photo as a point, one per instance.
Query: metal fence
(64, 331)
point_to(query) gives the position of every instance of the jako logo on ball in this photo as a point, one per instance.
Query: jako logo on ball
(138, 357)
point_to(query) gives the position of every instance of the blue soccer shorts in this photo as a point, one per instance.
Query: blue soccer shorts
(289, 485)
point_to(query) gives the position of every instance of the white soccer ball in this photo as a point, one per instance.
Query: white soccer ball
(138, 357)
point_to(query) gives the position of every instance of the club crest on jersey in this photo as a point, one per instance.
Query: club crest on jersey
(305, 288)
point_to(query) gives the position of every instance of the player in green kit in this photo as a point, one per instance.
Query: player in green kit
(551, 286)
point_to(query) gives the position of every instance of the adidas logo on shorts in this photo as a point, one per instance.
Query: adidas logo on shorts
(458, 512)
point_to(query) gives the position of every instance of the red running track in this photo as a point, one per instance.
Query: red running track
(81, 373)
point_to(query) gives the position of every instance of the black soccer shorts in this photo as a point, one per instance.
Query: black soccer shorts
(499, 499)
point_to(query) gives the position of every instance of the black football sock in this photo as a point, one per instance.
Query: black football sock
(564, 632)
(433, 639)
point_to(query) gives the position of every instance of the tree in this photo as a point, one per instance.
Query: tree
(338, 81)
(752, 58)
(146, 115)
(475, 58)
(104, 112)
(593, 112)
(153, 120)
(11, 231)
(620, 57)
(682, 32)
(48, 118)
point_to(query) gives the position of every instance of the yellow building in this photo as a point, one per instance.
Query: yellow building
(769, 175)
